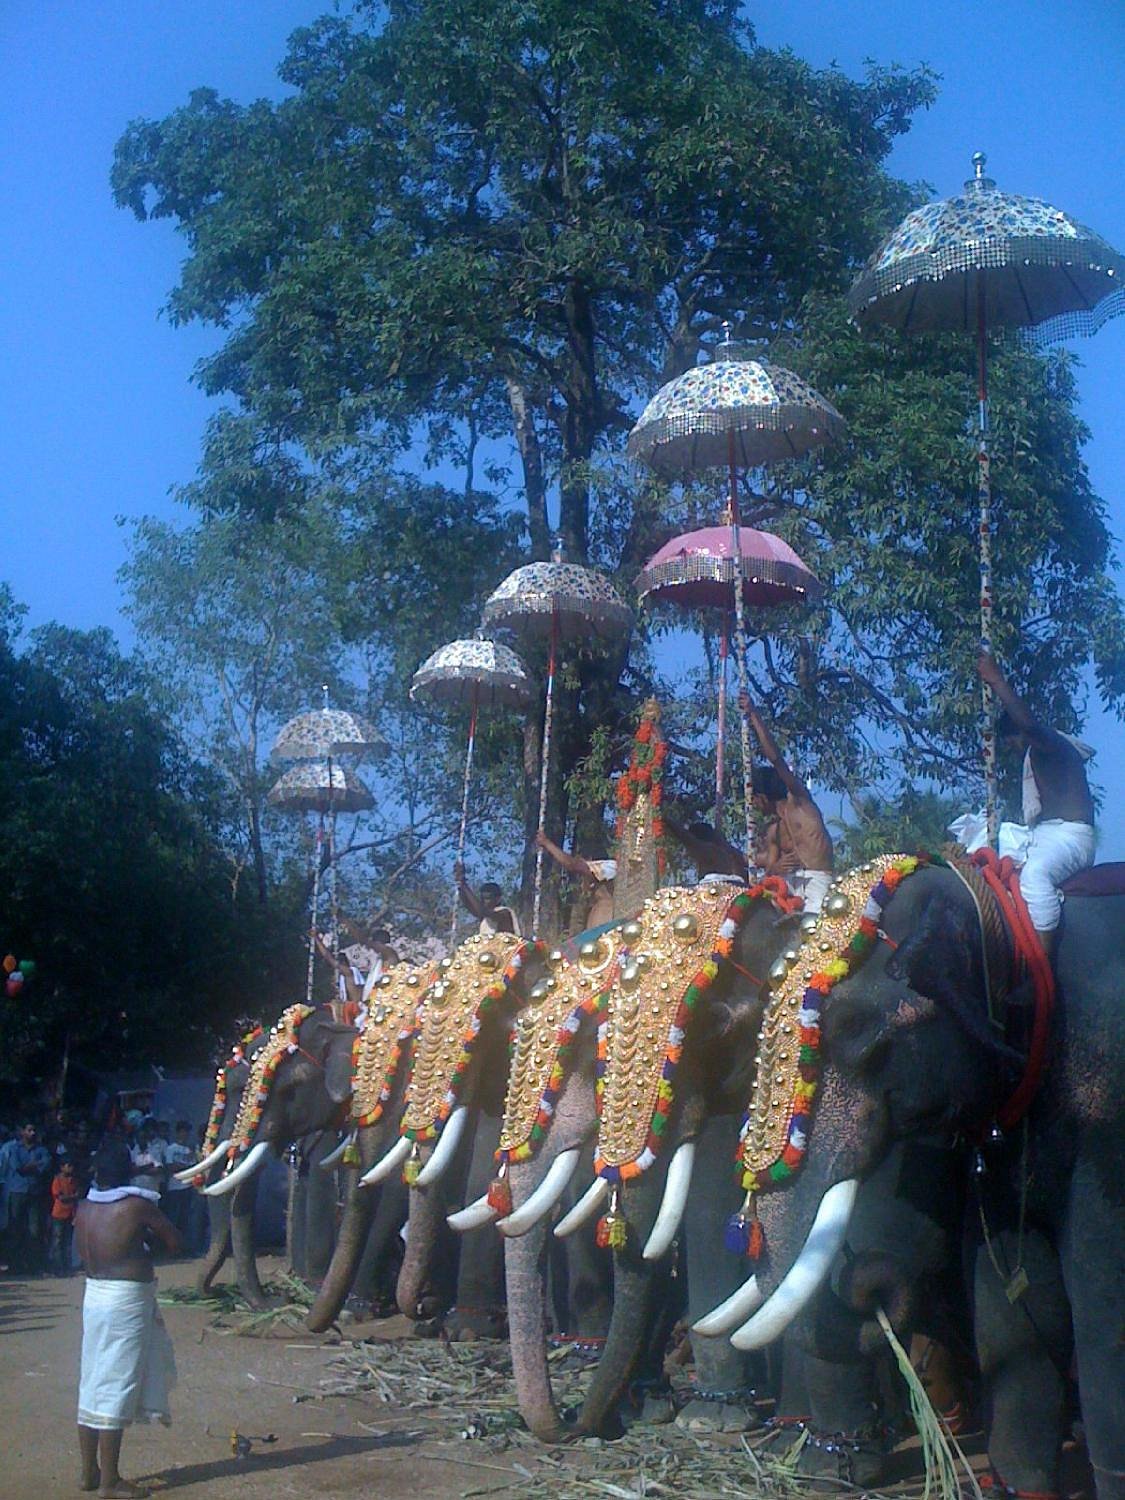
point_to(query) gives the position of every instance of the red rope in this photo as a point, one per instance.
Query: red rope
(1001, 877)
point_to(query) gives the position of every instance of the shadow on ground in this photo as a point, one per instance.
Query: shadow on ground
(261, 1462)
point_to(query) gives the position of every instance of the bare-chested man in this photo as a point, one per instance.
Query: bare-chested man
(597, 877)
(127, 1366)
(485, 905)
(1057, 806)
(796, 844)
(714, 858)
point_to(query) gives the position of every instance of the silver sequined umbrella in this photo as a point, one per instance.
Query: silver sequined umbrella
(563, 601)
(479, 673)
(986, 259)
(732, 413)
(327, 732)
(323, 787)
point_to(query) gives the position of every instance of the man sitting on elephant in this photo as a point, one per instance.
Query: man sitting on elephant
(797, 843)
(485, 905)
(1058, 810)
(596, 877)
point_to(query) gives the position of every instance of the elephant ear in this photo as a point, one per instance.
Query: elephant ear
(337, 1060)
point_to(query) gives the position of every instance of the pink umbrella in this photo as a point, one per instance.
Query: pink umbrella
(697, 571)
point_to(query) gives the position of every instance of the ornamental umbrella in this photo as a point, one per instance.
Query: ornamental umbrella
(989, 259)
(564, 602)
(326, 732)
(697, 571)
(326, 788)
(477, 672)
(741, 413)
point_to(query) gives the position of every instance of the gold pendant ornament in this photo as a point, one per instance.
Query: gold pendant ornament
(392, 1015)
(463, 989)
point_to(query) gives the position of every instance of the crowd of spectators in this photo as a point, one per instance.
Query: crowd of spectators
(46, 1169)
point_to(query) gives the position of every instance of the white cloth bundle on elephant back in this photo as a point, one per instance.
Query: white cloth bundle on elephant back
(128, 1367)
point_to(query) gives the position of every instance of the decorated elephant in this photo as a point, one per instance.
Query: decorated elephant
(921, 1031)
(675, 1047)
(297, 1089)
(231, 1217)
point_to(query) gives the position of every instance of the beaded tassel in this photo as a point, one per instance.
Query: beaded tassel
(743, 1233)
(612, 1232)
(500, 1192)
(413, 1167)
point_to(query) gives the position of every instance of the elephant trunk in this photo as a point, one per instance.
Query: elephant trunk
(431, 1246)
(354, 1228)
(635, 1287)
(527, 1323)
(218, 1213)
(242, 1240)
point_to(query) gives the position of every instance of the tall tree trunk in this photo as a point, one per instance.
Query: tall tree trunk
(531, 457)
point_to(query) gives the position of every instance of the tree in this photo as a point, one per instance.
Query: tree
(493, 228)
(112, 868)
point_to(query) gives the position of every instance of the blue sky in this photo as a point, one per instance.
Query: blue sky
(98, 418)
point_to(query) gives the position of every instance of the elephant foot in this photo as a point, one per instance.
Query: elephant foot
(467, 1325)
(853, 1458)
(720, 1411)
(373, 1310)
(648, 1406)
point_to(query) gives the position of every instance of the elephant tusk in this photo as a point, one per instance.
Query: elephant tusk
(673, 1203)
(735, 1310)
(387, 1164)
(250, 1163)
(806, 1273)
(473, 1216)
(545, 1196)
(584, 1209)
(447, 1143)
(210, 1160)
(326, 1163)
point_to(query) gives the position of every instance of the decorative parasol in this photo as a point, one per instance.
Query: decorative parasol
(326, 788)
(326, 732)
(564, 602)
(320, 786)
(479, 673)
(989, 259)
(741, 413)
(697, 570)
(761, 411)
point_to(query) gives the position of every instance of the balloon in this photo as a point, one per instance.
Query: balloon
(11, 987)
(9, 962)
(27, 967)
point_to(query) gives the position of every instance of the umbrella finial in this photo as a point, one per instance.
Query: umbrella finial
(558, 549)
(324, 690)
(978, 180)
(727, 339)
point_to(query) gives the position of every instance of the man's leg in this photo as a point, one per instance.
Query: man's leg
(88, 1449)
(109, 1454)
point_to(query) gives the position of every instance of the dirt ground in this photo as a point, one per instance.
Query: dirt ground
(365, 1444)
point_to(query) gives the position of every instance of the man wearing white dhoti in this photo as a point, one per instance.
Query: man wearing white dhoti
(127, 1363)
(1058, 811)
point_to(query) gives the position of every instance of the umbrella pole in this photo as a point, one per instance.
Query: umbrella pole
(544, 767)
(317, 844)
(469, 749)
(984, 481)
(721, 737)
(740, 647)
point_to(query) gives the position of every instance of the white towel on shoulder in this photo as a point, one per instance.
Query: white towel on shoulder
(128, 1367)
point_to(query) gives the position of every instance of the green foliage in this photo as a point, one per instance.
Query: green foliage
(475, 238)
(113, 870)
(914, 820)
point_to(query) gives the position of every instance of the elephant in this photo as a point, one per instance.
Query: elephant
(680, 929)
(298, 1085)
(438, 1043)
(231, 1217)
(911, 1054)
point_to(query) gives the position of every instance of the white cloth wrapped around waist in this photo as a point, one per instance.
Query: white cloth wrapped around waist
(128, 1367)
(811, 886)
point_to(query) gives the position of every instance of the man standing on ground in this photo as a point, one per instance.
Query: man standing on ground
(127, 1363)
(178, 1195)
(24, 1164)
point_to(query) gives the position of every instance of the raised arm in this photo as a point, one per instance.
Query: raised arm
(1021, 716)
(469, 898)
(327, 955)
(793, 783)
(573, 864)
